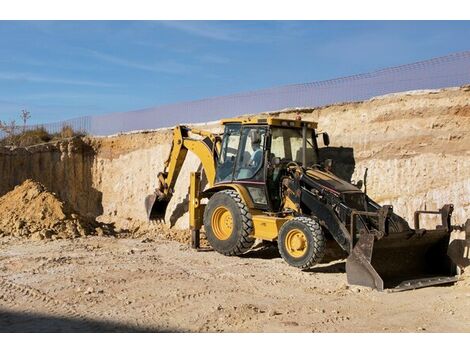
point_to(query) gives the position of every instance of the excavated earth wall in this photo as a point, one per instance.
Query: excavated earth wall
(415, 145)
(65, 168)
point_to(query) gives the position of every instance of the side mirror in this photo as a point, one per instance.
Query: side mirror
(276, 161)
(326, 139)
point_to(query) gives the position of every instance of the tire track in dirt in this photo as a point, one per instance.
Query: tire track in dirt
(210, 281)
(180, 300)
(39, 299)
(52, 308)
(33, 295)
(184, 301)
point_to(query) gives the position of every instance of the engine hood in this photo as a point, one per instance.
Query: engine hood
(330, 181)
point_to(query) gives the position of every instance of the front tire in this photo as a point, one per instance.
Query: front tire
(228, 223)
(301, 242)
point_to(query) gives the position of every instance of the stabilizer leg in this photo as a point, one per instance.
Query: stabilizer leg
(196, 209)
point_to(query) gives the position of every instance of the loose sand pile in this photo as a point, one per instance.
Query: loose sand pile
(30, 210)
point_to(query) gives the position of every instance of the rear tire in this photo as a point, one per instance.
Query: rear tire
(228, 223)
(301, 242)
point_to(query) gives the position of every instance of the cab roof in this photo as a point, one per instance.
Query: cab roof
(269, 120)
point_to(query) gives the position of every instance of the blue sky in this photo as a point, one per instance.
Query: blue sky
(60, 70)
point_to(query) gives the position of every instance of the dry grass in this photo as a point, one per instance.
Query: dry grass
(67, 132)
(37, 136)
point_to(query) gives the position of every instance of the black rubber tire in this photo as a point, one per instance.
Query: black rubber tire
(241, 239)
(316, 242)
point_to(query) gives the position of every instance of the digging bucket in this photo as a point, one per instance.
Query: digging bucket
(400, 262)
(155, 206)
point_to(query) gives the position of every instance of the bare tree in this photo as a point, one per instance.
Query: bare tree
(25, 116)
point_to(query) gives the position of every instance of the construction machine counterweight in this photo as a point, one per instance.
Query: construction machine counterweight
(265, 180)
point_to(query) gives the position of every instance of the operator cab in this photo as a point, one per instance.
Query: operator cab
(255, 153)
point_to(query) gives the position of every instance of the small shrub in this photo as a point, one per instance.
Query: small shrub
(13, 135)
(67, 131)
(30, 137)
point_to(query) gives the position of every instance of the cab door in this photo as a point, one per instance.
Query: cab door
(228, 153)
(249, 168)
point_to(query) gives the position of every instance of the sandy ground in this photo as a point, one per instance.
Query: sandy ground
(155, 284)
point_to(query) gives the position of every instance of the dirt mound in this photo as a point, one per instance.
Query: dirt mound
(30, 210)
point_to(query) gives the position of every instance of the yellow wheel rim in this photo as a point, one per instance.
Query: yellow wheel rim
(296, 243)
(222, 223)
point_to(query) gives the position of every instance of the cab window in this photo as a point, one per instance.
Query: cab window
(250, 157)
(228, 152)
(286, 144)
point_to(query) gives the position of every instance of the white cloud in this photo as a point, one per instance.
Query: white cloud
(28, 77)
(158, 67)
(245, 31)
(214, 59)
(203, 29)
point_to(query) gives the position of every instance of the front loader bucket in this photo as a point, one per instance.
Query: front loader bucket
(400, 262)
(156, 207)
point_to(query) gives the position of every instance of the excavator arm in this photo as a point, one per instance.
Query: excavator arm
(205, 147)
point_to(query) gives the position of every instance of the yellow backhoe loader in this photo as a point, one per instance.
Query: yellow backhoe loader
(265, 181)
